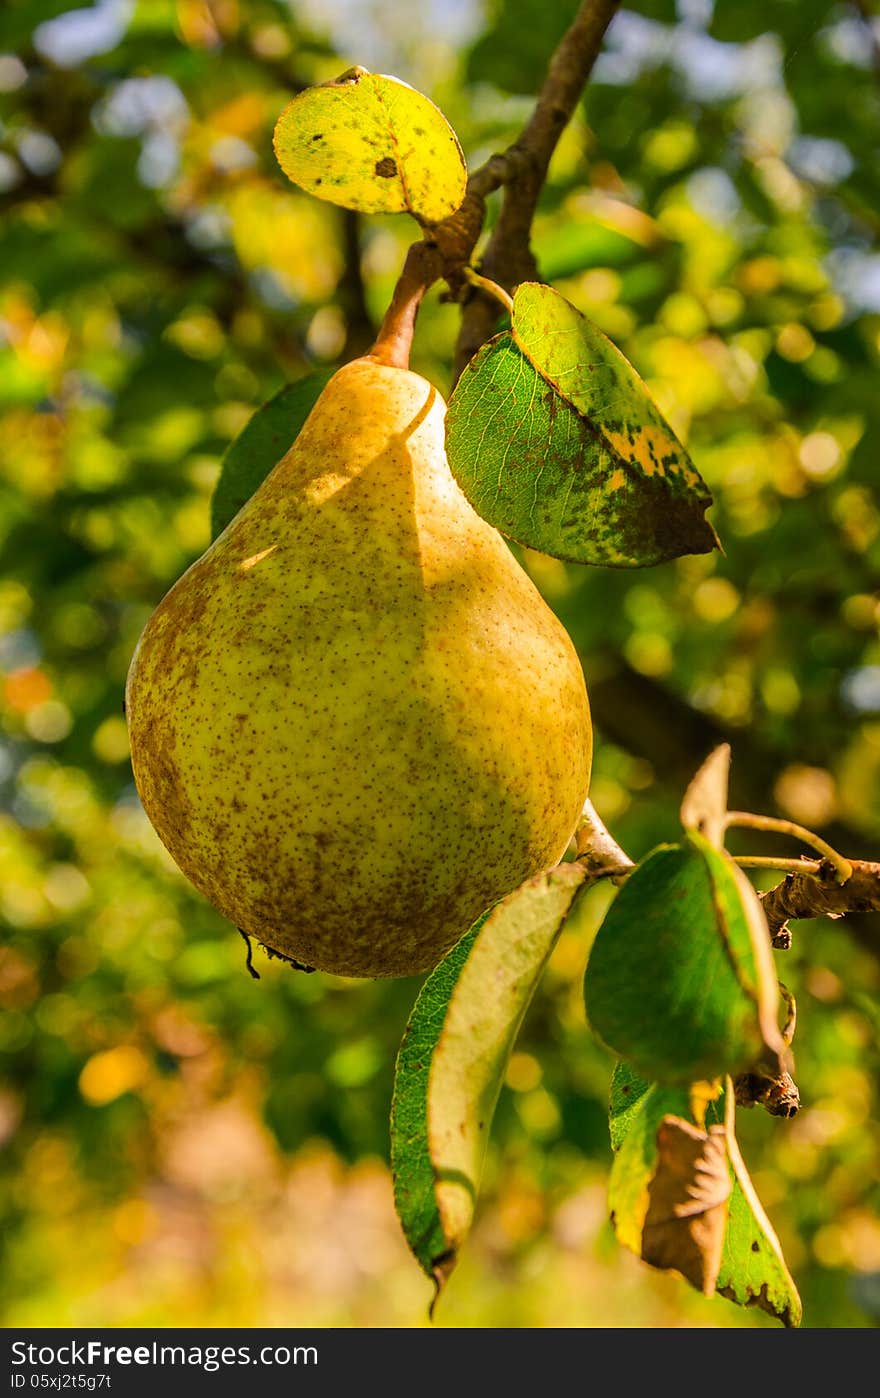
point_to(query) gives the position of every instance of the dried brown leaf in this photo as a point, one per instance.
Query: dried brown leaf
(687, 1202)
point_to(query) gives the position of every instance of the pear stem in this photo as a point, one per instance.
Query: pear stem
(423, 266)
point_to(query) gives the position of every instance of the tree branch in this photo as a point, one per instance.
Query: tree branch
(597, 849)
(816, 893)
(448, 246)
(508, 258)
(359, 329)
(648, 719)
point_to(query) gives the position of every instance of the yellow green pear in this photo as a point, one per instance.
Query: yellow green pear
(355, 724)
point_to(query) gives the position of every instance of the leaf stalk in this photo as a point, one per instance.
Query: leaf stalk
(842, 867)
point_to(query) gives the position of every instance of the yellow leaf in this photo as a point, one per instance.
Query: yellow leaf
(372, 143)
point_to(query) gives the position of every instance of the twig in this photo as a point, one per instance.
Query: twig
(648, 719)
(842, 867)
(776, 1092)
(448, 246)
(768, 1083)
(815, 892)
(770, 861)
(597, 849)
(491, 288)
(508, 257)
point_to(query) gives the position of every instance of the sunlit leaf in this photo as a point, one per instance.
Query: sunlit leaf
(555, 440)
(372, 143)
(593, 377)
(753, 1270)
(635, 1160)
(627, 1090)
(453, 1059)
(679, 980)
(261, 444)
(414, 1181)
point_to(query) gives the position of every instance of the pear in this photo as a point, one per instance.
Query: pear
(355, 724)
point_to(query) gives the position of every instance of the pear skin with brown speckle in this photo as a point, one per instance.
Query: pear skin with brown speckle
(355, 724)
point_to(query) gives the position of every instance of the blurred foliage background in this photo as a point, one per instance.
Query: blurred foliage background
(183, 1145)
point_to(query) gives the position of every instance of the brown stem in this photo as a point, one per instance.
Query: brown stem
(746, 820)
(596, 848)
(816, 893)
(508, 257)
(423, 266)
(448, 246)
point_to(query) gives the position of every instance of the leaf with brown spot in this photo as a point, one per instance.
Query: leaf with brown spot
(753, 1270)
(687, 1202)
(372, 143)
(627, 1091)
(591, 374)
(553, 438)
(637, 1109)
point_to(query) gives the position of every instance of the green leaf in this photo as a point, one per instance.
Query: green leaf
(679, 980)
(372, 143)
(634, 1138)
(552, 436)
(575, 247)
(411, 1167)
(592, 376)
(627, 1090)
(753, 1270)
(261, 444)
(453, 1059)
